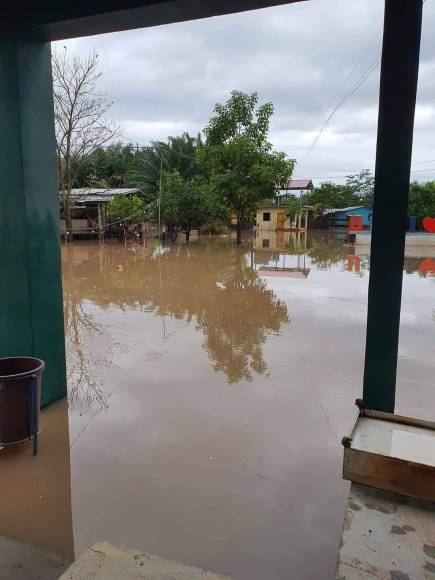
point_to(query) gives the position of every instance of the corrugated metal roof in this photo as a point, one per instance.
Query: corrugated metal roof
(298, 184)
(339, 209)
(94, 195)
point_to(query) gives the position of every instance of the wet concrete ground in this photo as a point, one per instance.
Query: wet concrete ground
(387, 536)
(210, 387)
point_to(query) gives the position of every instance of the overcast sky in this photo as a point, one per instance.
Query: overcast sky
(304, 57)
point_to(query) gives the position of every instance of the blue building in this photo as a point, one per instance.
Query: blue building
(339, 217)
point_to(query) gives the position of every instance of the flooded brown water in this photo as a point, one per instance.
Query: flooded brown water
(209, 389)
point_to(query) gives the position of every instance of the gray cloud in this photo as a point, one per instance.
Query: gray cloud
(166, 80)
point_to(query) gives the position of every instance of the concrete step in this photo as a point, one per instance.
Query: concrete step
(103, 561)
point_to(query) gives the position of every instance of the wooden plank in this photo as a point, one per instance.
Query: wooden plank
(389, 473)
(400, 419)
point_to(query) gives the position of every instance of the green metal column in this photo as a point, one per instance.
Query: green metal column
(31, 314)
(399, 74)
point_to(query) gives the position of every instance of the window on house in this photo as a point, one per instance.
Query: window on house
(266, 216)
(266, 243)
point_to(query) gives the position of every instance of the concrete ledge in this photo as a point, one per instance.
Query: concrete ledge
(103, 561)
(386, 537)
(422, 240)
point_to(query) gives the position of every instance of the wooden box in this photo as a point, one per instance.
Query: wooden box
(391, 452)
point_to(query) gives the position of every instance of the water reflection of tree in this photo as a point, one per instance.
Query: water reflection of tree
(209, 283)
(236, 324)
(326, 251)
(85, 391)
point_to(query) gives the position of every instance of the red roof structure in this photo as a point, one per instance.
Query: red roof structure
(298, 184)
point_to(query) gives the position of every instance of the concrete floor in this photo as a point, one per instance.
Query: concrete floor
(20, 561)
(387, 537)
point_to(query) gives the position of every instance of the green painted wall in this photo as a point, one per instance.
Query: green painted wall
(31, 315)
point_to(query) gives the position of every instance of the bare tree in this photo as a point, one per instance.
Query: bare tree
(80, 118)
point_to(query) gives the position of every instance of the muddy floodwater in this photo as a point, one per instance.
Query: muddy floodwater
(210, 387)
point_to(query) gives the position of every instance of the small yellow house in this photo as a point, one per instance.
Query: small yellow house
(272, 218)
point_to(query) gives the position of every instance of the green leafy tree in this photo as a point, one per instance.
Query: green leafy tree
(185, 203)
(127, 211)
(143, 171)
(291, 204)
(362, 184)
(422, 200)
(238, 158)
(178, 153)
(330, 195)
(120, 165)
(357, 190)
(105, 165)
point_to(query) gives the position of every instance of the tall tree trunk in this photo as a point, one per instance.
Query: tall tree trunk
(187, 235)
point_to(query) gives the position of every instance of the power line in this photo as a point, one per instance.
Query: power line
(345, 98)
(424, 170)
(358, 62)
(347, 95)
(423, 162)
(347, 175)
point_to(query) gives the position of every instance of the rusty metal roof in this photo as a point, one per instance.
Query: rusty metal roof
(103, 195)
(332, 210)
(296, 184)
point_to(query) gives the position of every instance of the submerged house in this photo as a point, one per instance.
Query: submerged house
(89, 208)
(339, 217)
(274, 218)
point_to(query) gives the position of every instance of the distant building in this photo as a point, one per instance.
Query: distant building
(91, 196)
(274, 218)
(298, 187)
(89, 207)
(339, 217)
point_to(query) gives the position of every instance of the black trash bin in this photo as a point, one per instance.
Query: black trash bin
(20, 398)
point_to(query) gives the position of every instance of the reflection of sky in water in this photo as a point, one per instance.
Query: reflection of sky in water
(333, 300)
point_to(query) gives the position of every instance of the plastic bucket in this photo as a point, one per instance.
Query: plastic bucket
(18, 408)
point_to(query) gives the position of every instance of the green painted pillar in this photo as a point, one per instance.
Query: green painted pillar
(399, 74)
(31, 314)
